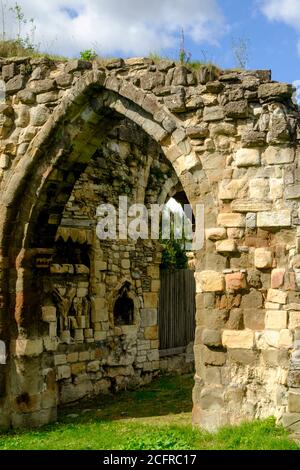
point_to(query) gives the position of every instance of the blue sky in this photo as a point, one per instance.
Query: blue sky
(137, 27)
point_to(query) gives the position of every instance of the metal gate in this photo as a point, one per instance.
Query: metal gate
(176, 316)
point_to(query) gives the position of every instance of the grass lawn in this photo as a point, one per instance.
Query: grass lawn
(155, 417)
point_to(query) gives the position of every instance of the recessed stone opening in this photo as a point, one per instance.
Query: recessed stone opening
(124, 307)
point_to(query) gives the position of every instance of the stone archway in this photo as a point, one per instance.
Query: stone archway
(232, 140)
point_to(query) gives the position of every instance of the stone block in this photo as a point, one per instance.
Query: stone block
(60, 359)
(215, 234)
(151, 332)
(209, 356)
(294, 402)
(274, 219)
(63, 372)
(291, 421)
(235, 282)
(213, 113)
(263, 258)
(148, 317)
(211, 338)
(93, 366)
(27, 347)
(294, 321)
(277, 278)
(233, 339)
(230, 220)
(277, 296)
(247, 157)
(209, 281)
(72, 357)
(279, 155)
(243, 356)
(150, 300)
(276, 319)
(49, 313)
(254, 319)
(275, 90)
(286, 339)
(226, 246)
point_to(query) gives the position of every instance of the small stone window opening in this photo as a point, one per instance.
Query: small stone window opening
(124, 307)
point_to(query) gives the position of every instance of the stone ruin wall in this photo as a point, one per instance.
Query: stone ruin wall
(233, 140)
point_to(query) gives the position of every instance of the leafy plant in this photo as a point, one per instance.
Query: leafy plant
(88, 54)
(184, 55)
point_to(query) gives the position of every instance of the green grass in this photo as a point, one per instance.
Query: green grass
(156, 417)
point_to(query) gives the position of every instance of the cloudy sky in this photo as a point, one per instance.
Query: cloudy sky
(271, 29)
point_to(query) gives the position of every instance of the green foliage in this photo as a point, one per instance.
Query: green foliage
(173, 255)
(154, 417)
(88, 54)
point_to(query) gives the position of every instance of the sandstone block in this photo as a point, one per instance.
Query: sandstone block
(275, 90)
(213, 113)
(215, 234)
(279, 155)
(235, 281)
(263, 258)
(277, 296)
(254, 319)
(294, 402)
(277, 278)
(274, 219)
(286, 339)
(294, 320)
(211, 338)
(246, 157)
(150, 300)
(209, 281)
(226, 246)
(63, 372)
(276, 319)
(233, 339)
(49, 313)
(151, 332)
(148, 317)
(231, 220)
(28, 347)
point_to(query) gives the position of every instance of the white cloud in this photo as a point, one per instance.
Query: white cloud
(286, 11)
(131, 27)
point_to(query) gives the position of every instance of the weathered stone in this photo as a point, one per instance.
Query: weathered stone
(277, 296)
(235, 282)
(286, 339)
(294, 402)
(263, 258)
(243, 356)
(276, 319)
(226, 246)
(274, 219)
(247, 157)
(215, 234)
(231, 220)
(254, 319)
(294, 320)
(233, 339)
(211, 338)
(209, 281)
(277, 278)
(252, 138)
(213, 113)
(236, 109)
(274, 90)
(148, 317)
(279, 155)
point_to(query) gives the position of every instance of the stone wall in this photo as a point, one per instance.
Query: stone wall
(232, 139)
